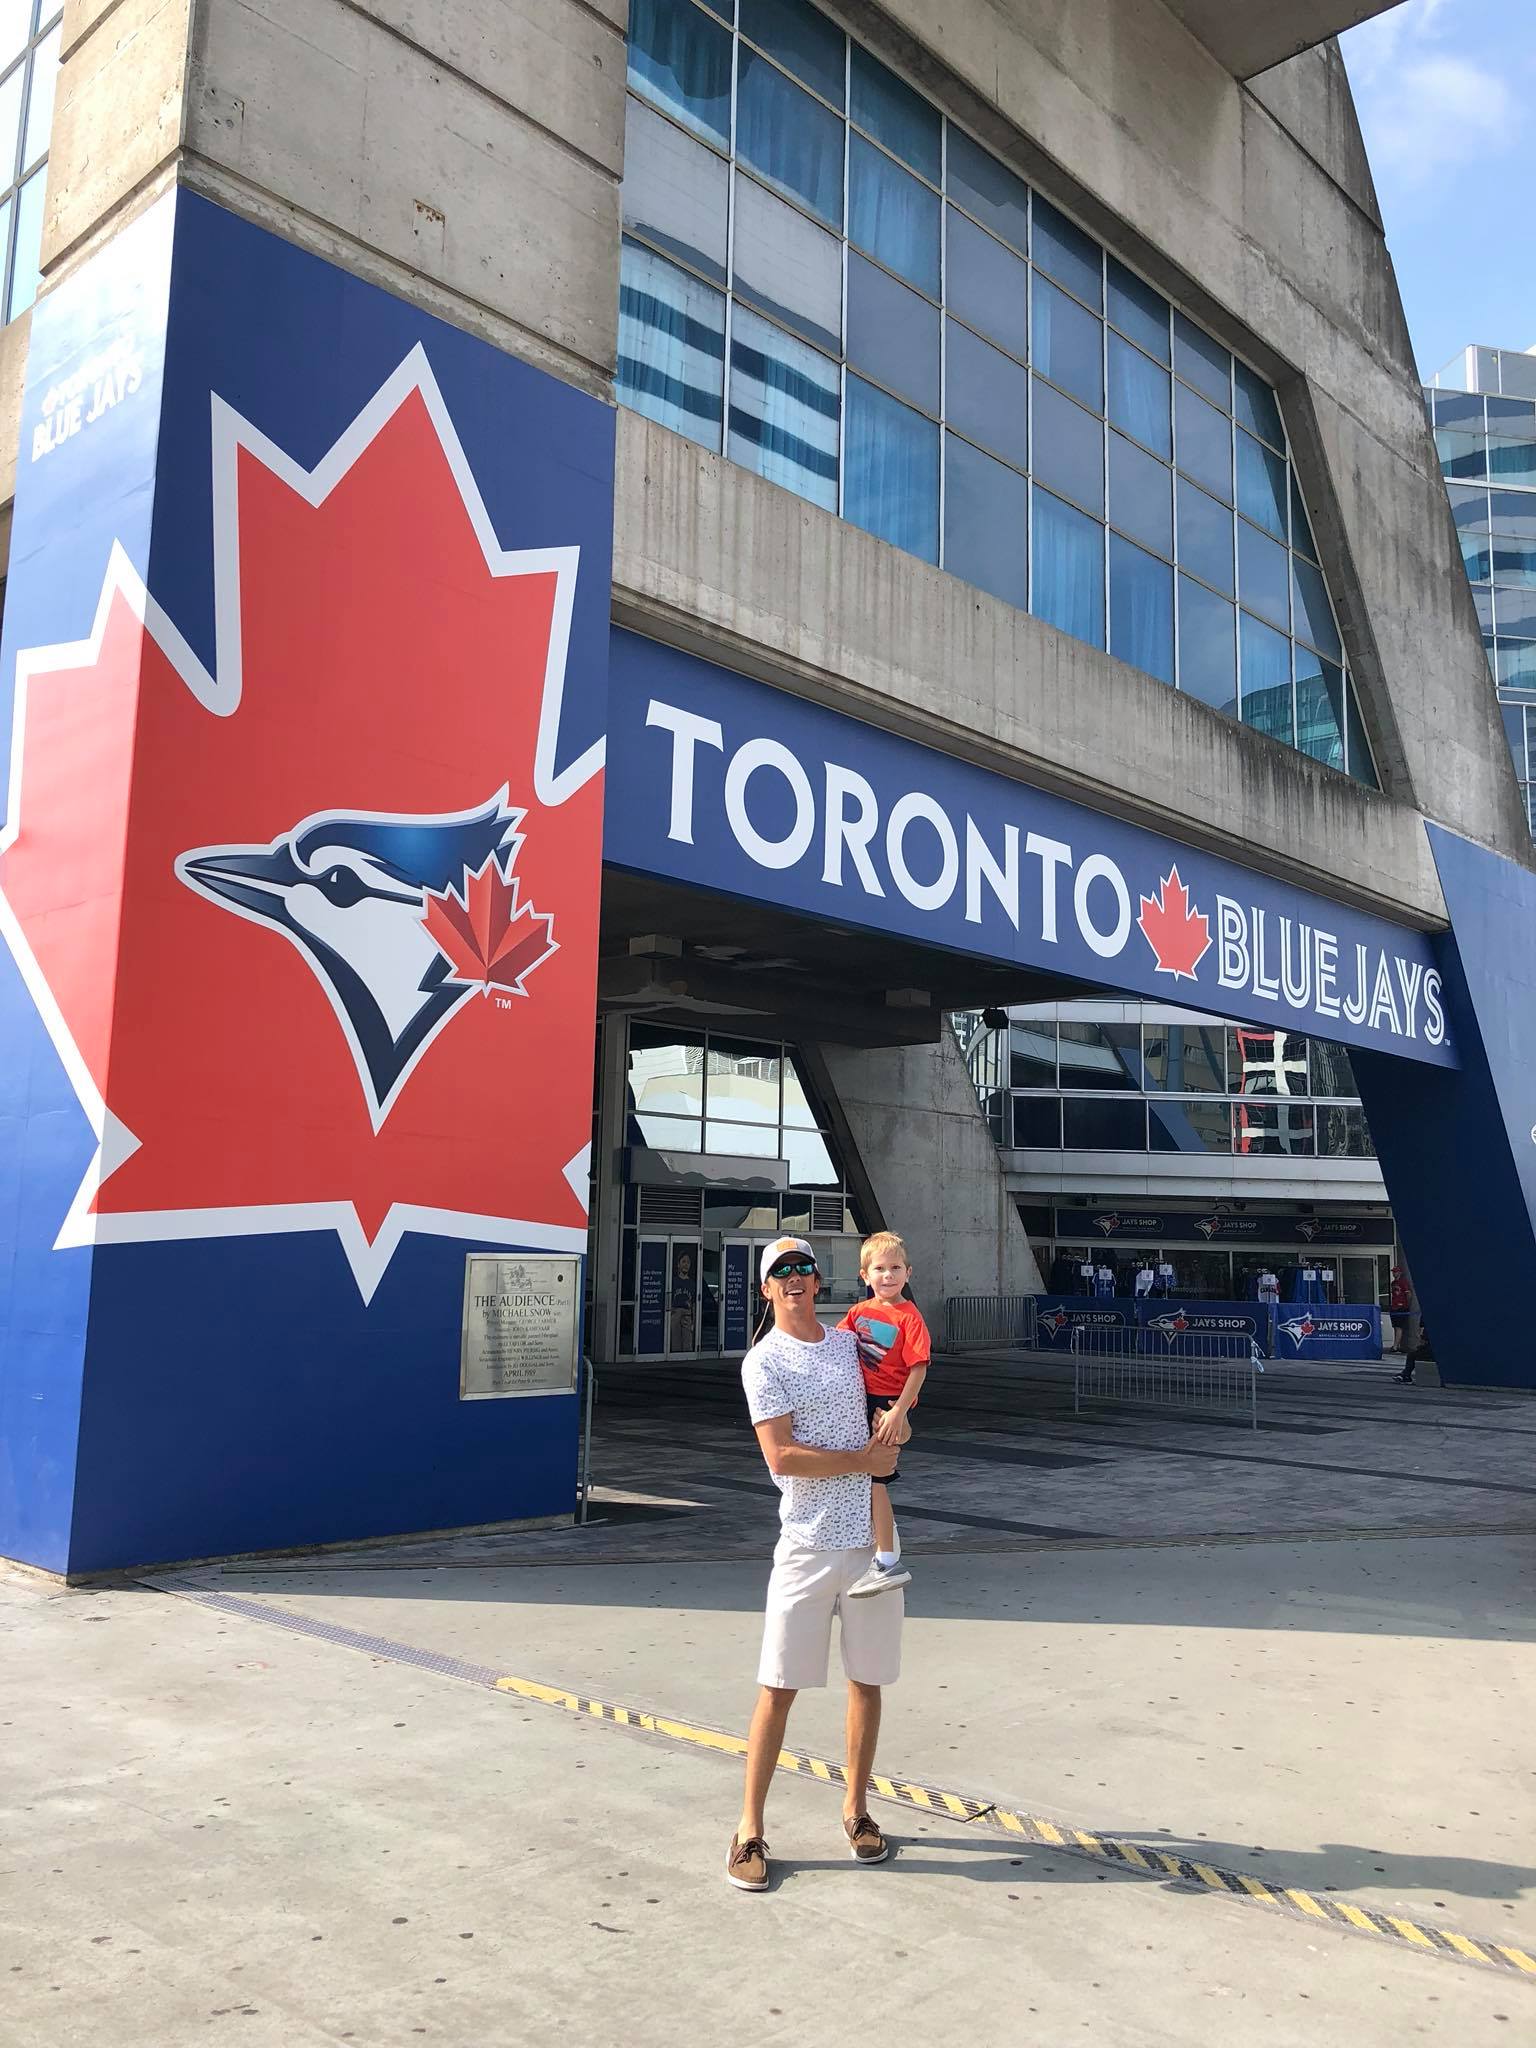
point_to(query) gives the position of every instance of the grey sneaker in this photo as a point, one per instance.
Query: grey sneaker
(880, 1578)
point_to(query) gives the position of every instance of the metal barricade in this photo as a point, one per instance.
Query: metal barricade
(1144, 1369)
(976, 1319)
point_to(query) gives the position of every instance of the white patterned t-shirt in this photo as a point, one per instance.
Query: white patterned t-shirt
(821, 1388)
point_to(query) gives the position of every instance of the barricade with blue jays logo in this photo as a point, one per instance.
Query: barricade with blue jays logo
(1169, 1326)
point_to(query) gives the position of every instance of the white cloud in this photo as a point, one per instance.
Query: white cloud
(1425, 108)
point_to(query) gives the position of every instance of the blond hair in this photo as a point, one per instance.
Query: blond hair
(882, 1241)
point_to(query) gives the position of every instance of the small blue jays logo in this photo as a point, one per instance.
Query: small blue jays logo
(1056, 1320)
(1298, 1329)
(1171, 1325)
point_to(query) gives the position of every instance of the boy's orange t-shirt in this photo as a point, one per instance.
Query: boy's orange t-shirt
(892, 1338)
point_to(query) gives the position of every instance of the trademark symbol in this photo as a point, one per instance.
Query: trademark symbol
(505, 1003)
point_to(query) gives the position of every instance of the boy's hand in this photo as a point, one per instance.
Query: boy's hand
(891, 1428)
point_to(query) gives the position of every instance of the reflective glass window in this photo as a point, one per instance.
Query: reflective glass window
(1103, 1125)
(15, 27)
(1319, 709)
(1514, 731)
(1140, 495)
(1068, 344)
(681, 59)
(742, 1080)
(893, 215)
(1512, 512)
(891, 471)
(986, 394)
(1461, 455)
(1207, 646)
(666, 1133)
(1137, 310)
(1070, 256)
(27, 254)
(1140, 609)
(987, 284)
(799, 1110)
(1266, 670)
(671, 357)
(1256, 407)
(810, 1162)
(988, 190)
(893, 333)
(1185, 1059)
(1273, 1129)
(1359, 762)
(1205, 536)
(1514, 613)
(1510, 561)
(1301, 528)
(1263, 1061)
(784, 410)
(1314, 615)
(675, 191)
(45, 79)
(1202, 362)
(787, 265)
(1100, 1055)
(783, 133)
(1457, 409)
(1191, 1126)
(1032, 1053)
(986, 522)
(1068, 448)
(1037, 1122)
(886, 107)
(1204, 442)
(1343, 1134)
(1515, 664)
(1263, 575)
(1511, 462)
(1262, 484)
(10, 122)
(1067, 588)
(1332, 1073)
(1139, 396)
(803, 40)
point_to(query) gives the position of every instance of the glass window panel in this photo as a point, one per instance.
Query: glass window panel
(986, 522)
(1032, 1053)
(1262, 484)
(1068, 344)
(1361, 767)
(1513, 716)
(886, 107)
(675, 190)
(1071, 257)
(747, 1141)
(1482, 601)
(1140, 609)
(986, 284)
(1263, 574)
(1257, 409)
(986, 395)
(1204, 442)
(1190, 1126)
(811, 1164)
(45, 79)
(1103, 1126)
(1205, 536)
(1457, 408)
(1301, 529)
(1137, 310)
(1514, 613)
(1272, 1129)
(15, 27)
(1138, 396)
(1262, 1061)
(1100, 1055)
(1314, 614)
(1515, 664)
(1510, 461)
(682, 61)
(1461, 455)
(1512, 512)
(10, 123)
(1140, 495)
(803, 40)
(1476, 556)
(893, 333)
(1067, 588)
(799, 1111)
(1185, 1058)
(1508, 561)
(1469, 507)
(787, 265)
(1319, 708)
(1068, 448)
(671, 363)
(1201, 361)
(893, 215)
(666, 1070)
(784, 410)
(891, 471)
(1512, 416)
(666, 1133)
(1207, 647)
(988, 189)
(1343, 1134)
(1266, 672)
(1037, 1122)
(25, 276)
(1332, 1073)
(782, 132)
(726, 9)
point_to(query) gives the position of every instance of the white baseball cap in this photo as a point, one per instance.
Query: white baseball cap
(783, 1248)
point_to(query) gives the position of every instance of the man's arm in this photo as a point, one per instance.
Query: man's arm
(788, 1460)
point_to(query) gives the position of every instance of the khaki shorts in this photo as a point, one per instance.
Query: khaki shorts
(805, 1590)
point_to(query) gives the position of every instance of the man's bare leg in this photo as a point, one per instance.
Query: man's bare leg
(765, 1738)
(863, 1734)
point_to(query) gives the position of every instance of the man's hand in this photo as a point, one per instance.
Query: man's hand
(881, 1458)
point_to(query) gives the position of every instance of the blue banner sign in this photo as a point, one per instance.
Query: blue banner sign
(1169, 1323)
(1314, 1332)
(737, 1279)
(651, 1313)
(1153, 1227)
(734, 786)
(1059, 1315)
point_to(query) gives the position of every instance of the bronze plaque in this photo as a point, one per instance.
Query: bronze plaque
(520, 1325)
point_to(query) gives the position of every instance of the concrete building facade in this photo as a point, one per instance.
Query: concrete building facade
(1031, 575)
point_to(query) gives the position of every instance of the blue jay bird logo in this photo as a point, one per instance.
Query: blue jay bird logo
(351, 890)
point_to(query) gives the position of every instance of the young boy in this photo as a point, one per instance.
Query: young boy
(894, 1350)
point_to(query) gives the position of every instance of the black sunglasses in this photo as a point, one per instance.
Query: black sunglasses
(804, 1267)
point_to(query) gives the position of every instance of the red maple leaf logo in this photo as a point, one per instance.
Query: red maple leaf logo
(1179, 935)
(490, 938)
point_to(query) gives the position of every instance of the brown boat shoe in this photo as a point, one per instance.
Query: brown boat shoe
(866, 1844)
(746, 1866)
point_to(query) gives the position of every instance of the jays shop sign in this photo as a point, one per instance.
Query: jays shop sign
(725, 782)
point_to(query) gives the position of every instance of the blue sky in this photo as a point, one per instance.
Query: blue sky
(1444, 89)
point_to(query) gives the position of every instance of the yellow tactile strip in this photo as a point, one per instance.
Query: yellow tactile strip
(1143, 1858)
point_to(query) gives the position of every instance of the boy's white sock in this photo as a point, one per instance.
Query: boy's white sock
(886, 1558)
